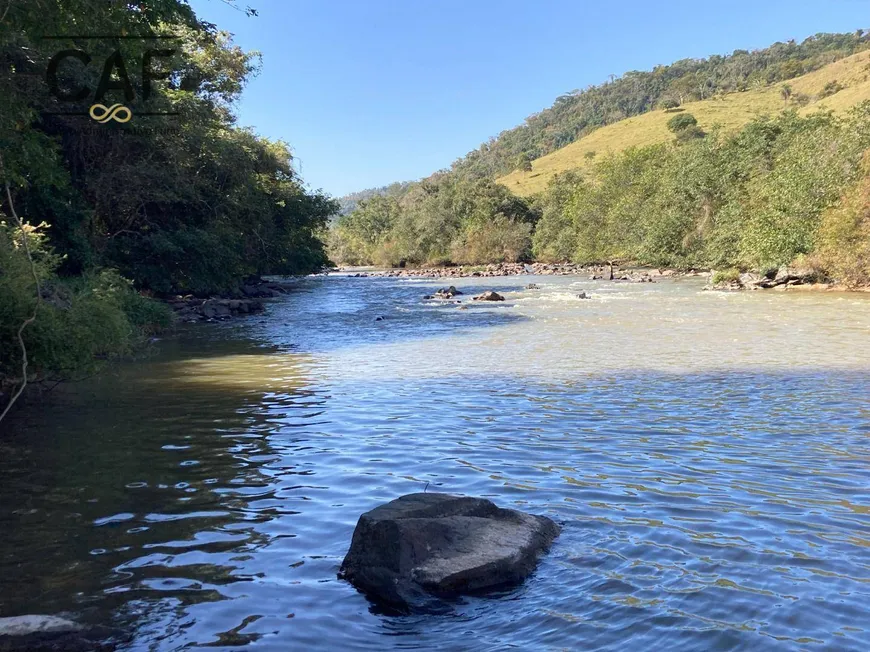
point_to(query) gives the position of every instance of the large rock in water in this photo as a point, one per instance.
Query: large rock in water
(417, 549)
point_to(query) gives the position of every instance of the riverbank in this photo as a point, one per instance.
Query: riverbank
(145, 319)
(784, 278)
(594, 272)
(248, 299)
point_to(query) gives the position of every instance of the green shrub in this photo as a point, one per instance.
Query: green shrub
(681, 122)
(725, 276)
(524, 162)
(690, 133)
(801, 99)
(81, 322)
(496, 241)
(844, 235)
(831, 88)
(146, 315)
(555, 238)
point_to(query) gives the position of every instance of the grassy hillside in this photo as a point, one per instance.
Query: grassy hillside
(730, 112)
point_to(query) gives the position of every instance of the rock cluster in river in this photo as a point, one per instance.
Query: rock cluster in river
(417, 550)
(495, 269)
(595, 272)
(782, 278)
(447, 293)
(247, 300)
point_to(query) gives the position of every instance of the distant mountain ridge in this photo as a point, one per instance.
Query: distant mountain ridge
(578, 113)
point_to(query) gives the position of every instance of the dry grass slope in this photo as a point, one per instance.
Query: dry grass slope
(729, 112)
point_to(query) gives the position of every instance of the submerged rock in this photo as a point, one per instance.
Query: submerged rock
(41, 633)
(36, 624)
(489, 296)
(190, 308)
(418, 549)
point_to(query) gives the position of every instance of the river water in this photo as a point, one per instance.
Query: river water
(707, 454)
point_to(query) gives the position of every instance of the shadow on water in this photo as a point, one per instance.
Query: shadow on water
(96, 488)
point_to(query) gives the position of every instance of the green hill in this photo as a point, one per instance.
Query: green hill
(768, 168)
(576, 114)
(729, 111)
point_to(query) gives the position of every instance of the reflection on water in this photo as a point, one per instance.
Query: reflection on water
(706, 454)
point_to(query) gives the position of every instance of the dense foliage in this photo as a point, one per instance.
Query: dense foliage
(441, 220)
(80, 322)
(187, 202)
(782, 190)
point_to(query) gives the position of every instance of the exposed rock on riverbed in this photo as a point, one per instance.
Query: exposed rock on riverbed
(195, 309)
(448, 293)
(489, 296)
(418, 549)
(246, 301)
(474, 271)
(782, 279)
(595, 272)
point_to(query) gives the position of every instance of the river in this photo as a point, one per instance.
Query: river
(707, 454)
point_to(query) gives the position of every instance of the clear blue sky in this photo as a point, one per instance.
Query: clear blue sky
(368, 92)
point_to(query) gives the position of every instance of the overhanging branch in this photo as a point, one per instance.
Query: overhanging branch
(27, 322)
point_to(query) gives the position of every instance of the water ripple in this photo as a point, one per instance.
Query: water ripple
(706, 455)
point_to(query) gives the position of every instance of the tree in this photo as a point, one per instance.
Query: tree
(442, 219)
(192, 207)
(524, 162)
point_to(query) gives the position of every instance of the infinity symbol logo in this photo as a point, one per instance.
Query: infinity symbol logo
(103, 114)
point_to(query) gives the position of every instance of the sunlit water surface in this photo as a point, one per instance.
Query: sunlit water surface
(708, 456)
